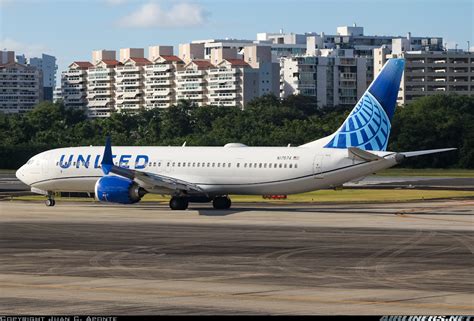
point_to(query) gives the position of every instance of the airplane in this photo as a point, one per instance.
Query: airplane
(211, 174)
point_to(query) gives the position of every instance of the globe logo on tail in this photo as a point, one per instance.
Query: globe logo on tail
(367, 127)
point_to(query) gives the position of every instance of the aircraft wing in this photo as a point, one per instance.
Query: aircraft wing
(149, 181)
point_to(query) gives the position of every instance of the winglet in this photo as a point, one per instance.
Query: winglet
(107, 161)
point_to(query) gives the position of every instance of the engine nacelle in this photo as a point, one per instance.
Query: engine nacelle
(117, 189)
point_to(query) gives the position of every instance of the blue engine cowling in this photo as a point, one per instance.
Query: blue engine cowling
(117, 189)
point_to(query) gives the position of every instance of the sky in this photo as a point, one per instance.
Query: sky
(71, 29)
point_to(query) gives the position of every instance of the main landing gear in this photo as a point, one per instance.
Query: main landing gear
(221, 203)
(181, 202)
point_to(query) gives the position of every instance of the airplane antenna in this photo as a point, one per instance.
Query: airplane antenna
(289, 145)
(184, 144)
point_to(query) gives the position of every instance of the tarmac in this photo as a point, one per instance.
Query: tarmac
(88, 258)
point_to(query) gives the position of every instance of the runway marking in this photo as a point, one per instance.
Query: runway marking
(249, 296)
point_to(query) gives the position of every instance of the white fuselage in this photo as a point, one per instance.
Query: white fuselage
(216, 170)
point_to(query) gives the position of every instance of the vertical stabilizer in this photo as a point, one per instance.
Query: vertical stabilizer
(368, 125)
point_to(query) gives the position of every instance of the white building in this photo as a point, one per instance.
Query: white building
(130, 84)
(74, 84)
(334, 77)
(192, 82)
(20, 85)
(101, 88)
(20, 88)
(429, 72)
(232, 83)
(160, 81)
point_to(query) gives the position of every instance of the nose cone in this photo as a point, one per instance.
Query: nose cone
(20, 174)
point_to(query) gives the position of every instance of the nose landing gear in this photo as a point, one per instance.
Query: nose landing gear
(50, 201)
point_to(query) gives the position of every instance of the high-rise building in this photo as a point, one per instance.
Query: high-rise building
(232, 83)
(334, 77)
(20, 85)
(47, 64)
(160, 81)
(101, 88)
(74, 84)
(429, 72)
(192, 82)
(130, 84)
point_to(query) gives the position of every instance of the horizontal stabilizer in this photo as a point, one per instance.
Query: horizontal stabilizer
(425, 152)
(363, 155)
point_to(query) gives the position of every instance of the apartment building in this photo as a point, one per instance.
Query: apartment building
(20, 88)
(20, 85)
(260, 58)
(74, 84)
(160, 81)
(47, 64)
(233, 82)
(130, 84)
(334, 77)
(430, 72)
(101, 88)
(192, 82)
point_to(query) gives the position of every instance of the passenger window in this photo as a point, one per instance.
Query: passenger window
(159, 164)
(228, 165)
(197, 164)
(194, 164)
(265, 165)
(213, 164)
(296, 165)
(285, 165)
(250, 165)
(275, 165)
(255, 165)
(154, 164)
(238, 165)
(173, 164)
(245, 165)
(291, 165)
(184, 164)
(280, 165)
(167, 164)
(74, 163)
(270, 165)
(218, 164)
(223, 164)
(260, 165)
(208, 164)
(179, 164)
(57, 163)
(189, 164)
(203, 165)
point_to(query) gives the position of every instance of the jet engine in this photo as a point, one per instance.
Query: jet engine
(117, 189)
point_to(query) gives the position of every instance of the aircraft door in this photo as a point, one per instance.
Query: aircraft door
(318, 166)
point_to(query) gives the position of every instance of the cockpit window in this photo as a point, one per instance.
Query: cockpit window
(31, 161)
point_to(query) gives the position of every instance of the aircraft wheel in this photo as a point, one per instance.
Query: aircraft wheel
(50, 202)
(179, 203)
(221, 203)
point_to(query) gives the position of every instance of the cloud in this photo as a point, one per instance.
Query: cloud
(30, 50)
(154, 15)
(114, 2)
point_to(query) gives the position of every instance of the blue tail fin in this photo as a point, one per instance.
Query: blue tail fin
(368, 125)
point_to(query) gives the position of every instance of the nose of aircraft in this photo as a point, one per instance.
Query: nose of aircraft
(20, 174)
